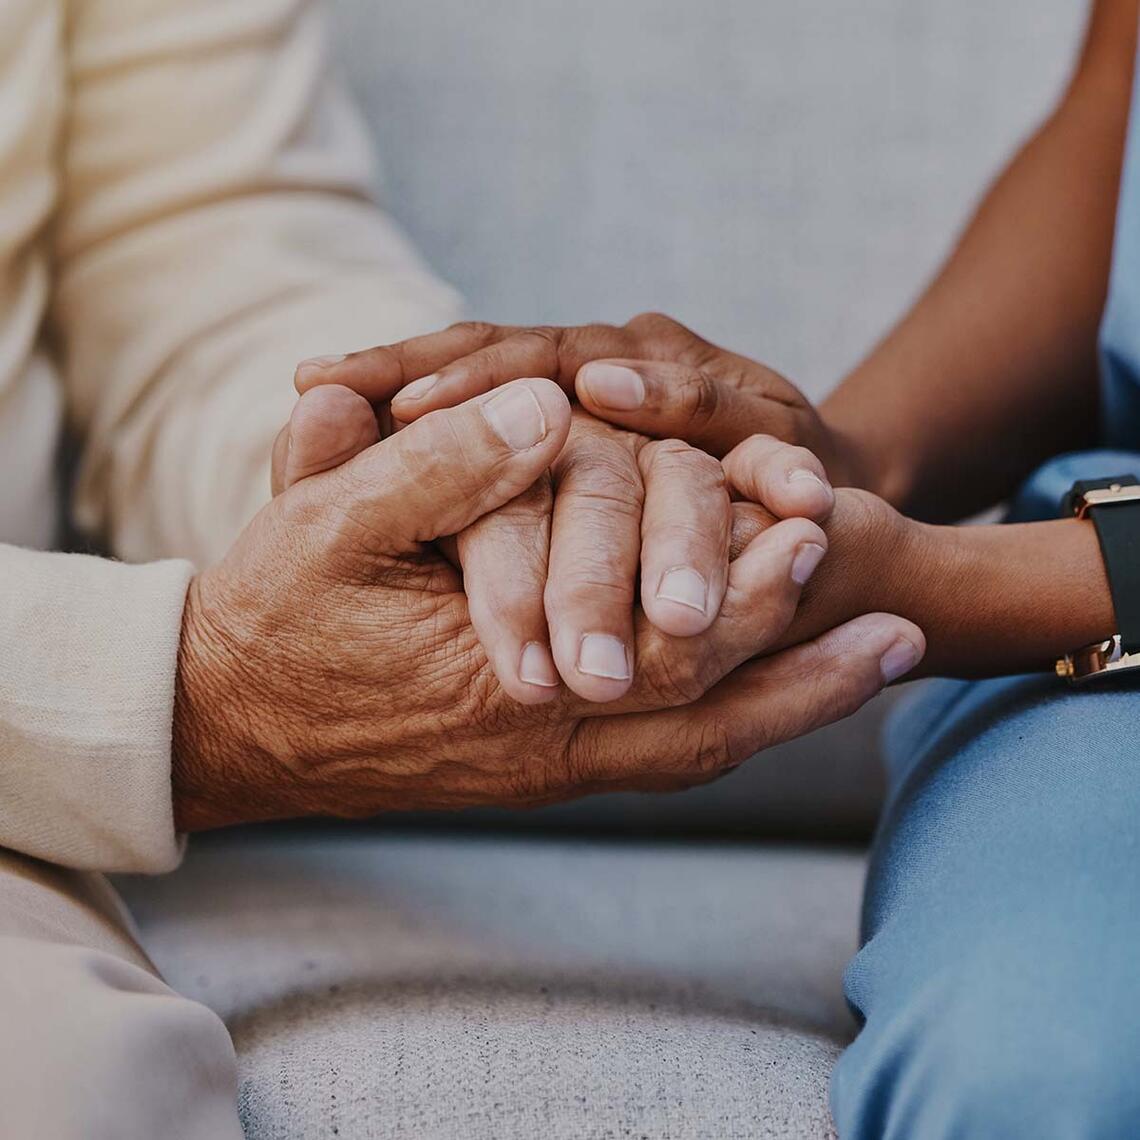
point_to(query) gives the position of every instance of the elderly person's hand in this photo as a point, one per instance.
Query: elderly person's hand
(329, 665)
(558, 568)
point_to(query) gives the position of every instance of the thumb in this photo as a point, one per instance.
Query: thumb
(668, 400)
(455, 465)
(761, 704)
(329, 426)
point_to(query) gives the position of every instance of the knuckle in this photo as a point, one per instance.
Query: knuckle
(481, 332)
(662, 459)
(749, 454)
(700, 397)
(801, 455)
(712, 754)
(445, 460)
(598, 331)
(586, 589)
(675, 675)
(517, 606)
(386, 359)
(649, 318)
(759, 443)
(762, 612)
(543, 346)
(671, 542)
(607, 505)
(672, 458)
(653, 325)
(585, 759)
(844, 698)
(702, 356)
(603, 477)
(868, 514)
(667, 452)
(547, 334)
(707, 466)
(440, 452)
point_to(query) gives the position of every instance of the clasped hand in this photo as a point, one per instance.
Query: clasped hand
(446, 617)
(636, 495)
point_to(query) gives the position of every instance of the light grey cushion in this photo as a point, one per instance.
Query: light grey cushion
(489, 989)
(782, 176)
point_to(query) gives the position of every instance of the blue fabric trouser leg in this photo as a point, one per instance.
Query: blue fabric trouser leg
(999, 981)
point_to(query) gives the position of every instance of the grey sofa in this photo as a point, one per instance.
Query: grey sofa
(782, 176)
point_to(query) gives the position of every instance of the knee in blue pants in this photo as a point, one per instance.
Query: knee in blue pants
(1000, 977)
(999, 981)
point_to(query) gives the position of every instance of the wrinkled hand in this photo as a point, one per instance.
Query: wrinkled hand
(552, 577)
(329, 665)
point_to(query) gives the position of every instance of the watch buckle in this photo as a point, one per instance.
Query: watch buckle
(1103, 657)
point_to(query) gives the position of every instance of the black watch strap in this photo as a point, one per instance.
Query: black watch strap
(1118, 531)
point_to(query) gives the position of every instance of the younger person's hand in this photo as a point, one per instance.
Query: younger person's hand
(652, 375)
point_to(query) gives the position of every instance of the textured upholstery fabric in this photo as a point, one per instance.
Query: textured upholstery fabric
(482, 989)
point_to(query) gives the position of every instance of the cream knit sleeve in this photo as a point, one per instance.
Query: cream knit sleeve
(216, 226)
(88, 649)
(87, 646)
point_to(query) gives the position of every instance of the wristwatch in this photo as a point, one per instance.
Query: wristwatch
(1114, 506)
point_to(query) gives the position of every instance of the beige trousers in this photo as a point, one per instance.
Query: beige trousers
(93, 1044)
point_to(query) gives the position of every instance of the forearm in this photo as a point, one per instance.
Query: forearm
(994, 369)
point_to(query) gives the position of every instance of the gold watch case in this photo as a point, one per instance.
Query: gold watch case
(1106, 497)
(1103, 658)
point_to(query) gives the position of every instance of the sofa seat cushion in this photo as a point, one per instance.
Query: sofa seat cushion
(463, 988)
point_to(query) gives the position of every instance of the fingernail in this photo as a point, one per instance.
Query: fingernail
(806, 560)
(601, 655)
(418, 389)
(317, 364)
(613, 386)
(901, 658)
(536, 666)
(803, 475)
(516, 417)
(684, 586)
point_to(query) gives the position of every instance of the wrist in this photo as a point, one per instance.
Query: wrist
(1007, 598)
(214, 749)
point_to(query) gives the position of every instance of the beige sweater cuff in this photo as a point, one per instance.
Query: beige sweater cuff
(88, 654)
